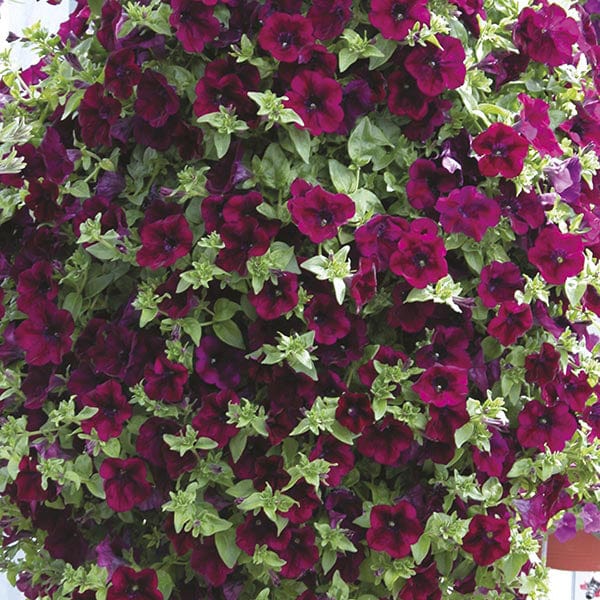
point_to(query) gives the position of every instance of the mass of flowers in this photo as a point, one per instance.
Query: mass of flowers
(299, 300)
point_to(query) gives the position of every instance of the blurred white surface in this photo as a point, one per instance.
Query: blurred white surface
(7, 592)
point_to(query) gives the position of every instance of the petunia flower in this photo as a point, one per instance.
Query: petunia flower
(218, 364)
(427, 182)
(444, 421)
(499, 282)
(542, 367)
(326, 318)
(449, 346)
(329, 18)
(424, 585)
(164, 242)
(211, 420)
(56, 159)
(557, 255)
(194, 23)
(165, 380)
(488, 539)
(128, 584)
(339, 454)
(404, 96)
(534, 125)
(541, 425)
(395, 18)
(378, 238)
(394, 529)
(286, 36)
(318, 101)
(124, 482)
(121, 73)
(385, 440)
(511, 322)
(442, 385)
(501, 151)
(206, 561)
(113, 410)
(156, 100)
(300, 554)
(278, 296)
(258, 530)
(97, 113)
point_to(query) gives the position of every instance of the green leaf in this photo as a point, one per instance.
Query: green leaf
(343, 179)
(328, 559)
(73, 303)
(80, 189)
(511, 565)
(221, 142)
(112, 448)
(275, 167)
(574, 290)
(165, 583)
(386, 48)
(193, 328)
(94, 484)
(367, 204)
(420, 549)
(463, 434)
(229, 332)
(302, 142)
(225, 309)
(341, 433)
(227, 548)
(237, 444)
(346, 57)
(366, 142)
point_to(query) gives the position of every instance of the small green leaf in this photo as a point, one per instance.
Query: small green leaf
(193, 328)
(237, 444)
(225, 309)
(221, 142)
(229, 332)
(420, 549)
(463, 434)
(226, 547)
(302, 142)
(343, 179)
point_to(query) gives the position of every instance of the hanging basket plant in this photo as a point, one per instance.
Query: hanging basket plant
(299, 300)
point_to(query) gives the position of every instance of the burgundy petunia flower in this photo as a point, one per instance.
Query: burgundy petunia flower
(442, 385)
(218, 364)
(501, 151)
(278, 296)
(394, 529)
(329, 17)
(488, 539)
(584, 127)
(378, 238)
(542, 367)
(424, 585)
(45, 336)
(469, 211)
(29, 482)
(257, 530)
(34, 284)
(339, 454)
(243, 240)
(156, 100)
(211, 420)
(385, 440)
(54, 154)
(326, 318)
(165, 380)
(499, 282)
(524, 210)
(404, 96)
(420, 255)
(124, 482)
(363, 284)
(164, 242)
(121, 73)
(113, 410)
(534, 124)
(546, 35)
(206, 561)
(97, 114)
(499, 460)
(511, 322)
(285, 37)
(194, 24)
(317, 213)
(318, 101)
(449, 346)
(354, 411)
(437, 69)
(557, 255)
(395, 18)
(541, 425)
(300, 554)
(427, 182)
(110, 23)
(444, 421)
(127, 584)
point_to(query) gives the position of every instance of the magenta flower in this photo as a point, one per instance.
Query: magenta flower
(260, 531)
(449, 346)
(511, 322)
(488, 539)
(339, 454)
(469, 211)
(206, 561)
(499, 282)
(395, 18)
(584, 127)
(405, 98)
(301, 554)
(318, 101)
(121, 73)
(499, 460)
(541, 425)
(363, 284)
(444, 421)
(124, 482)
(156, 99)
(276, 299)
(385, 440)
(394, 529)
(437, 70)
(426, 182)
(329, 18)
(317, 213)
(45, 336)
(211, 420)
(127, 584)
(534, 125)
(542, 367)
(58, 165)
(501, 151)
(378, 238)
(424, 585)
(286, 37)
(546, 35)
(218, 364)
(113, 410)
(97, 114)
(165, 380)
(327, 319)
(242, 239)
(34, 284)
(420, 255)
(557, 255)
(194, 24)
(164, 242)
(29, 482)
(442, 385)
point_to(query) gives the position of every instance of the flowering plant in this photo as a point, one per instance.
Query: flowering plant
(299, 300)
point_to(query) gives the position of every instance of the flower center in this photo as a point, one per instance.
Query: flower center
(285, 39)
(420, 259)
(557, 256)
(397, 11)
(440, 384)
(326, 218)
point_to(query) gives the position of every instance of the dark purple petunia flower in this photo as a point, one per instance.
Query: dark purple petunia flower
(124, 482)
(488, 539)
(113, 410)
(128, 584)
(444, 421)
(395, 18)
(97, 114)
(354, 411)
(340, 456)
(378, 238)
(363, 284)
(504, 65)
(164, 242)
(499, 282)
(546, 35)
(218, 364)
(469, 211)
(534, 125)
(243, 240)
(565, 177)
(557, 255)
(285, 37)
(318, 101)
(437, 69)
(424, 585)
(525, 210)
(501, 151)
(56, 160)
(45, 336)
(329, 17)
(194, 24)
(29, 482)
(156, 100)
(442, 385)
(278, 296)
(206, 561)
(449, 346)
(317, 213)
(35, 284)
(211, 420)
(300, 554)
(511, 322)
(42, 200)
(541, 425)
(427, 182)
(111, 19)
(327, 319)
(165, 380)
(405, 98)
(394, 529)
(385, 440)
(542, 367)
(499, 460)
(258, 530)
(584, 127)
(121, 73)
